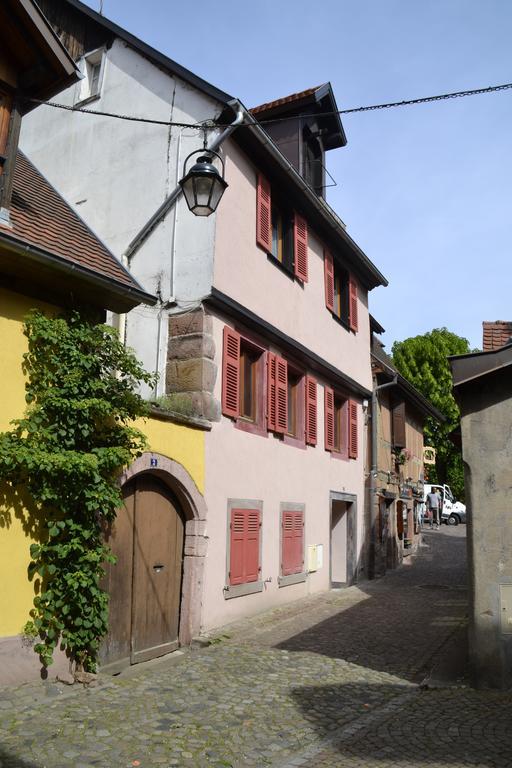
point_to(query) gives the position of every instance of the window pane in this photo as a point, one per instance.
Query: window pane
(277, 234)
(248, 361)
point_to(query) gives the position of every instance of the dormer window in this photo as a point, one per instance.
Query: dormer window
(91, 66)
(313, 161)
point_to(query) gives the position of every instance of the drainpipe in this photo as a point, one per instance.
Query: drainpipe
(373, 475)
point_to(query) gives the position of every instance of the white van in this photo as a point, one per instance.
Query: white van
(452, 512)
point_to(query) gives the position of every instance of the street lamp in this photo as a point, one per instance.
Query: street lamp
(203, 186)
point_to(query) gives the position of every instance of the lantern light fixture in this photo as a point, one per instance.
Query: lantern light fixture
(203, 185)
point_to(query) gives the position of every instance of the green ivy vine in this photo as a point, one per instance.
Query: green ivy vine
(68, 451)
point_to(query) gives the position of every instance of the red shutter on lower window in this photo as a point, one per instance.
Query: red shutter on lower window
(352, 429)
(236, 547)
(244, 554)
(300, 247)
(352, 303)
(329, 418)
(231, 373)
(292, 542)
(263, 214)
(311, 410)
(252, 545)
(281, 395)
(329, 280)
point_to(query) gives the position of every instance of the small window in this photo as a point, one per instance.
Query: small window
(243, 381)
(340, 421)
(249, 357)
(341, 292)
(282, 240)
(92, 69)
(243, 562)
(295, 403)
(292, 541)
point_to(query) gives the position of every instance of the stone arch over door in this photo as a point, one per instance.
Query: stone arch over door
(181, 484)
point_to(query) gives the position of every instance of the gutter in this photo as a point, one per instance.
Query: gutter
(72, 269)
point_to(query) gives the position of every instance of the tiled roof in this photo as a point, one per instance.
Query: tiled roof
(496, 334)
(285, 100)
(41, 218)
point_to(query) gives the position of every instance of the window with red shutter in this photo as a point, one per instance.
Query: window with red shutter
(263, 214)
(352, 430)
(300, 243)
(329, 280)
(231, 373)
(244, 554)
(292, 542)
(353, 293)
(329, 418)
(311, 410)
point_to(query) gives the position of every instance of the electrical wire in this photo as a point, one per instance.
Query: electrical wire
(213, 125)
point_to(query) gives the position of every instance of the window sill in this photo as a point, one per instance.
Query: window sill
(293, 578)
(340, 455)
(295, 441)
(344, 323)
(288, 271)
(252, 427)
(239, 590)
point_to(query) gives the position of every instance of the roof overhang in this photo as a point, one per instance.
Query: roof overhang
(151, 53)
(59, 279)
(476, 365)
(408, 392)
(43, 65)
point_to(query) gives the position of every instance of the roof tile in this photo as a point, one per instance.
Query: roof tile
(285, 100)
(42, 218)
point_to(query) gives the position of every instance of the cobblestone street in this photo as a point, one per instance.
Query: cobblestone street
(349, 678)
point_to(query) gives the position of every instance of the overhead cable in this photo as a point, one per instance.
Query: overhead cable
(212, 124)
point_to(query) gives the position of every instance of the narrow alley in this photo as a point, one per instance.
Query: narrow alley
(369, 676)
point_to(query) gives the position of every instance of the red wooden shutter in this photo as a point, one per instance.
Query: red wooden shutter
(271, 391)
(311, 418)
(252, 545)
(236, 551)
(329, 418)
(300, 247)
(352, 303)
(281, 395)
(292, 540)
(329, 280)
(352, 429)
(263, 214)
(231, 373)
(244, 559)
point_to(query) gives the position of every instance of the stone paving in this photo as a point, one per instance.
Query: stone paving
(331, 680)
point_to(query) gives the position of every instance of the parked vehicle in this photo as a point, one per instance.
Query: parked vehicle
(452, 512)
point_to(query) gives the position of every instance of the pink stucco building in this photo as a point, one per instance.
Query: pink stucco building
(261, 328)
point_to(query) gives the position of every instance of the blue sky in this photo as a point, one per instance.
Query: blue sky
(424, 190)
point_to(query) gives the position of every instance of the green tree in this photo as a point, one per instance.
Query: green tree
(423, 360)
(68, 451)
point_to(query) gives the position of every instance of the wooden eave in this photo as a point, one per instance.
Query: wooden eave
(28, 269)
(43, 66)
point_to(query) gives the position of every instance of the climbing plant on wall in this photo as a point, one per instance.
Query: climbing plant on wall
(68, 451)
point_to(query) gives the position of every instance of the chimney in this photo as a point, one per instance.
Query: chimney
(496, 334)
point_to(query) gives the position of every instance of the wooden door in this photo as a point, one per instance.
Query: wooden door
(145, 584)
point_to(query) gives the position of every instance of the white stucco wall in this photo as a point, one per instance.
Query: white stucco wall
(117, 173)
(246, 466)
(243, 271)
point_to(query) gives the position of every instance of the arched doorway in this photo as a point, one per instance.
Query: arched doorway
(145, 584)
